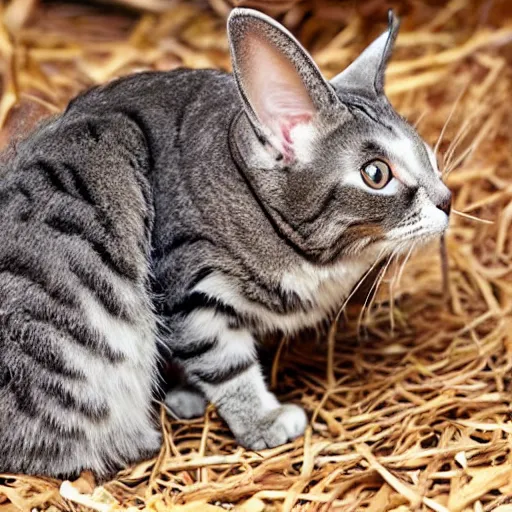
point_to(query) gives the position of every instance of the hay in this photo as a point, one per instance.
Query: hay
(409, 401)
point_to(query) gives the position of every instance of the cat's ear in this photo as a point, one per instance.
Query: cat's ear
(366, 74)
(279, 83)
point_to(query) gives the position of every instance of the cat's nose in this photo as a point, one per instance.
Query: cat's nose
(445, 204)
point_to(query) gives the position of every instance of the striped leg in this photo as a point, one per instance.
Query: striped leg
(221, 361)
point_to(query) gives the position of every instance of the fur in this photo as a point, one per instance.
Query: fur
(197, 210)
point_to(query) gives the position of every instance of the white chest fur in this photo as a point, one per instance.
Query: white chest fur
(324, 287)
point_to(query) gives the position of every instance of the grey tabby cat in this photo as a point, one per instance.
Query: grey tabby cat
(202, 210)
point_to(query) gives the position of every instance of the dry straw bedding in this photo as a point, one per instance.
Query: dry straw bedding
(408, 399)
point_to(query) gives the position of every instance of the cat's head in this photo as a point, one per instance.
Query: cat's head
(332, 163)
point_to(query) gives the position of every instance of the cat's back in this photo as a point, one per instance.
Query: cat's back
(160, 100)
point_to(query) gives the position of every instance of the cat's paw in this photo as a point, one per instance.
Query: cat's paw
(277, 427)
(150, 443)
(185, 403)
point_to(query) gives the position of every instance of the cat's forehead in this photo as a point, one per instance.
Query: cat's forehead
(411, 159)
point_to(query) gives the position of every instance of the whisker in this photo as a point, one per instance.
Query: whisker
(421, 117)
(378, 282)
(448, 119)
(472, 217)
(406, 259)
(395, 283)
(454, 144)
(482, 133)
(332, 329)
(357, 286)
(459, 136)
(374, 286)
(450, 154)
(392, 303)
(467, 152)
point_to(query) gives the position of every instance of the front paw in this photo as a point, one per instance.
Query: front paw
(277, 427)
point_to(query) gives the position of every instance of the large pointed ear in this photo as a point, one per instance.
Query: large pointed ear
(280, 85)
(366, 74)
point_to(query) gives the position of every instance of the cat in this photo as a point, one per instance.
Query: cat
(189, 213)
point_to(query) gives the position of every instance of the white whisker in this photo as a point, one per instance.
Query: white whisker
(357, 286)
(406, 259)
(392, 302)
(375, 286)
(460, 135)
(448, 119)
(421, 117)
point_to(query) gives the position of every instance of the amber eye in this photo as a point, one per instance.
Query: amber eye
(376, 174)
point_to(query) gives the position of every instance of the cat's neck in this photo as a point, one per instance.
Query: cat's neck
(255, 160)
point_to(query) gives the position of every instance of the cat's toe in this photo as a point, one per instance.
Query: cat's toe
(150, 444)
(293, 419)
(278, 427)
(184, 403)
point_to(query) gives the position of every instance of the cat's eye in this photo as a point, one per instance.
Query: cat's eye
(376, 174)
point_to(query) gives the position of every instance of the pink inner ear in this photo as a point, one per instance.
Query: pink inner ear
(292, 122)
(274, 89)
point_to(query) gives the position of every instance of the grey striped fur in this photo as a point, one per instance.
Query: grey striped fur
(202, 210)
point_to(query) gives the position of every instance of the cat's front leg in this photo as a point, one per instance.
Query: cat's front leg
(253, 414)
(221, 361)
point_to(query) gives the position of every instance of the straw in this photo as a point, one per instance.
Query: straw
(414, 417)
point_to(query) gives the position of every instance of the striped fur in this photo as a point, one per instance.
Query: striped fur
(203, 210)
(77, 349)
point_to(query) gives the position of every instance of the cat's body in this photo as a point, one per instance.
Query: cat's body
(214, 249)
(252, 227)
